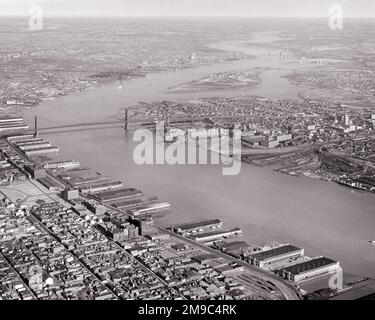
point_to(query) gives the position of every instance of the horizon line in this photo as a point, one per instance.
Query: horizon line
(178, 16)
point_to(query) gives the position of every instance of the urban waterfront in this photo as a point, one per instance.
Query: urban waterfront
(322, 217)
(288, 102)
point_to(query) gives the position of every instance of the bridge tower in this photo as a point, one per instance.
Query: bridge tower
(126, 120)
(166, 121)
(36, 127)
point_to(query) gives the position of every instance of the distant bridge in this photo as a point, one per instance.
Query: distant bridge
(130, 125)
(78, 125)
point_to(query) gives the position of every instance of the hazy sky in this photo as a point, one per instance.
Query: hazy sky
(284, 8)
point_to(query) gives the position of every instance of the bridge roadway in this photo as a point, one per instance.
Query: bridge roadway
(122, 122)
(79, 125)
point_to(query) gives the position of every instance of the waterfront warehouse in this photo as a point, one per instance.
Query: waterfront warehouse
(310, 269)
(215, 235)
(269, 258)
(199, 226)
(120, 194)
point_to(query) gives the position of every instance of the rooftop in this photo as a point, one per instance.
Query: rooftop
(264, 255)
(309, 265)
(193, 225)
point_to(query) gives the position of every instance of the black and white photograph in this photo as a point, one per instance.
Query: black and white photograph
(210, 152)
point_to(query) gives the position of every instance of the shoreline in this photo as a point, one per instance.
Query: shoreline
(237, 46)
(95, 83)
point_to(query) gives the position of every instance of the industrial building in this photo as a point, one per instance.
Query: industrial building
(42, 151)
(134, 203)
(95, 208)
(309, 269)
(36, 171)
(100, 187)
(27, 141)
(33, 146)
(49, 184)
(269, 259)
(215, 235)
(199, 226)
(70, 194)
(127, 204)
(9, 119)
(120, 194)
(204, 258)
(151, 209)
(9, 124)
(234, 248)
(83, 177)
(20, 137)
(13, 127)
(62, 165)
(145, 226)
(118, 232)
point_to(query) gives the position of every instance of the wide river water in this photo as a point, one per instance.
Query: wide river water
(324, 218)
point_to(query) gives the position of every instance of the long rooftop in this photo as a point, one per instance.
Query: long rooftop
(194, 225)
(264, 255)
(309, 265)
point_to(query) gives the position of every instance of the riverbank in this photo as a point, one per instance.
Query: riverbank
(324, 218)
